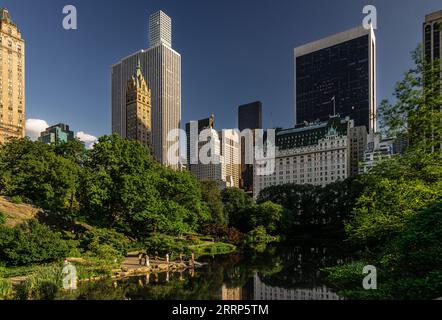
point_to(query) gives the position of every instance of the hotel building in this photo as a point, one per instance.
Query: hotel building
(12, 79)
(316, 154)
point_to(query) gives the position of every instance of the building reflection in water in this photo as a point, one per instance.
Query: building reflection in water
(257, 290)
(265, 292)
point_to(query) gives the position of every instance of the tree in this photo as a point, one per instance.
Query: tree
(396, 189)
(124, 188)
(31, 243)
(33, 170)
(269, 214)
(212, 196)
(416, 113)
(73, 150)
(237, 205)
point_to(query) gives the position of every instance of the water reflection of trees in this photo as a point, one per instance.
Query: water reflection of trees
(291, 267)
(300, 266)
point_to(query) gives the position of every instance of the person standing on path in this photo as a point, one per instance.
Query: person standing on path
(140, 259)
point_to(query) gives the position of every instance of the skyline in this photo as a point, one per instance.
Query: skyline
(241, 75)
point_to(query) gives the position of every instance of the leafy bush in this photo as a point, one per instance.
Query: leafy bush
(212, 249)
(43, 284)
(164, 244)
(2, 218)
(257, 239)
(409, 266)
(17, 200)
(31, 242)
(94, 239)
(346, 276)
(223, 233)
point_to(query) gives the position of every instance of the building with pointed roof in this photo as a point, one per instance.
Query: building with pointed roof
(139, 109)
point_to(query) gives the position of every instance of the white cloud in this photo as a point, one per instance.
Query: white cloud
(89, 140)
(34, 127)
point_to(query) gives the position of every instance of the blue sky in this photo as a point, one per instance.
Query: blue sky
(233, 52)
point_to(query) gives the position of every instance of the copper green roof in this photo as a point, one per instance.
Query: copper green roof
(311, 134)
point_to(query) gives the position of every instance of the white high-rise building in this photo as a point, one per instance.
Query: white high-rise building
(218, 153)
(160, 29)
(231, 157)
(161, 67)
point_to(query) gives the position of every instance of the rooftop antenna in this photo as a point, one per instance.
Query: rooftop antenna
(334, 105)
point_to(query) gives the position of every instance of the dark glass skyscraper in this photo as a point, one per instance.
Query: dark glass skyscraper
(337, 75)
(250, 116)
(203, 124)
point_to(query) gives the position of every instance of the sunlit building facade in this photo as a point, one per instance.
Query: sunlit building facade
(12, 79)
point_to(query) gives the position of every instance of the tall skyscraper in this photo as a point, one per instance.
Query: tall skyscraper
(224, 153)
(208, 123)
(12, 79)
(161, 67)
(337, 75)
(160, 29)
(433, 53)
(139, 110)
(249, 117)
(203, 171)
(231, 157)
(433, 36)
(57, 134)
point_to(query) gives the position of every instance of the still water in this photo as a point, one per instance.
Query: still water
(283, 272)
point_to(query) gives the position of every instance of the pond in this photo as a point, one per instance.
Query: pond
(281, 272)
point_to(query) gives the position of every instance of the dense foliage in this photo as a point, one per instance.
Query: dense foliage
(245, 215)
(116, 185)
(212, 196)
(31, 243)
(397, 218)
(124, 188)
(308, 206)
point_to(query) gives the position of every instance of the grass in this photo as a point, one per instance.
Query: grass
(211, 249)
(6, 291)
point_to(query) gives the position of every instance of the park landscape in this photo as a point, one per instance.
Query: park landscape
(98, 208)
